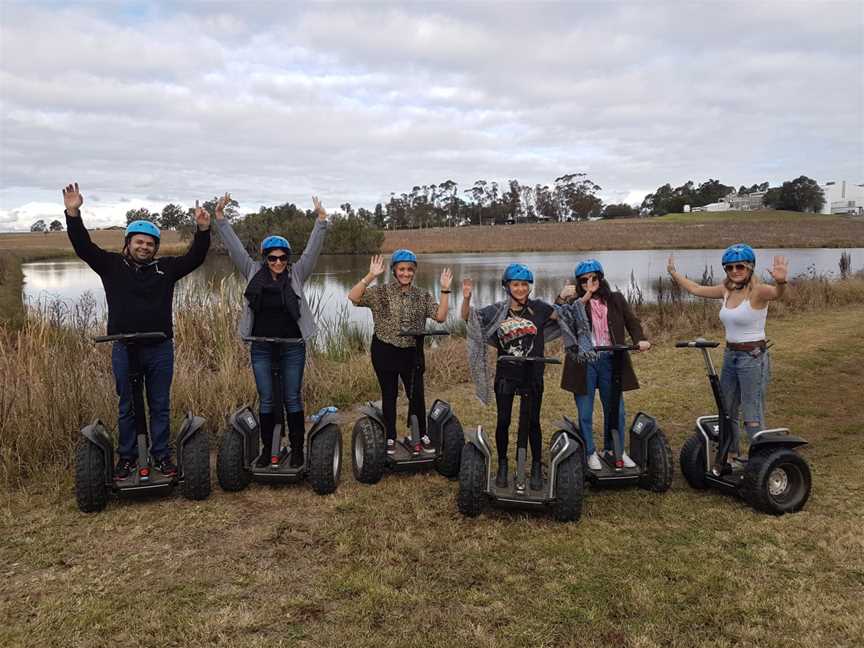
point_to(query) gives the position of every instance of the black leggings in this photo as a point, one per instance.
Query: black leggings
(504, 402)
(391, 365)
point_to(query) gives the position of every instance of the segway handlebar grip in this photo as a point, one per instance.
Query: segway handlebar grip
(130, 337)
(697, 344)
(272, 340)
(618, 347)
(423, 333)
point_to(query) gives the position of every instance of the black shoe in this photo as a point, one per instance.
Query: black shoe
(501, 477)
(296, 460)
(263, 461)
(536, 481)
(296, 434)
(166, 466)
(124, 468)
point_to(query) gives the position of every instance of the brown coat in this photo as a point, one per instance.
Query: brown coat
(620, 317)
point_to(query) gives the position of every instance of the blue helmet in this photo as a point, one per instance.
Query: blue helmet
(517, 272)
(142, 227)
(403, 256)
(739, 252)
(275, 243)
(588, 265)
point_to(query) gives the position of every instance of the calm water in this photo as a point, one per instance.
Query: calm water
(68, 280)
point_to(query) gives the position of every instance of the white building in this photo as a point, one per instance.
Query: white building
(712, 207)
(843, 198)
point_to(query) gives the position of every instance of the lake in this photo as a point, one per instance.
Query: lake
(67, 279)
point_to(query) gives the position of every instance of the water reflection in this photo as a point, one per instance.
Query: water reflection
(334, 276)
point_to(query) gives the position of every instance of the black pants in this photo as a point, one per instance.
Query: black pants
(392, 364)
(530, 401)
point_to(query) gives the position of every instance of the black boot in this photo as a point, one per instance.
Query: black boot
(266, 422)
(296, 434)
(501, 477)
(536, 481)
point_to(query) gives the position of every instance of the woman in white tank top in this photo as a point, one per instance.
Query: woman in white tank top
(746, 365)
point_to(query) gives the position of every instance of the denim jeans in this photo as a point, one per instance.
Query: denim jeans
(598, 375)
(157, 365)
(293, 361)
(744, 380)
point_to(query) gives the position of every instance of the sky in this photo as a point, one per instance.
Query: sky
(146, 103)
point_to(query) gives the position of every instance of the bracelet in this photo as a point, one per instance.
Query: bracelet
(446, 292)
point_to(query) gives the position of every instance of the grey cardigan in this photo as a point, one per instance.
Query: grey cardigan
(300, 272)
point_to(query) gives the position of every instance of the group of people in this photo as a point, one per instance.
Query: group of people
(586, 313)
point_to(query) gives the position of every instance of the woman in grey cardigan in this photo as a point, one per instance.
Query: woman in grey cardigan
(276, 307)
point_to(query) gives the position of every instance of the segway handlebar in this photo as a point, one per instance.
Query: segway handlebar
(272, 340)
(618, 347)
(531, 359)
(698, 343)
(423, 333)
(130, 337)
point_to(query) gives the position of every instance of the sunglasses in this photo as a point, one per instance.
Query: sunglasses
(589, 278)
(277, 258)
(735, 266)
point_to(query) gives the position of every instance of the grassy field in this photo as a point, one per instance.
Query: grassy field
(675, 231)
(396, 565)
(108, 239)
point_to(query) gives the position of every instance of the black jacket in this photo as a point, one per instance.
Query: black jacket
(139, 296)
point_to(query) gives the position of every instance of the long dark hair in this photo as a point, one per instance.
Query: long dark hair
(604, 291)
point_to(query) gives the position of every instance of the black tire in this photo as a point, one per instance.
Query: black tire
(569, 489)
(325, 460)
(472, 481)
(196, 467)
(692, 461)
(230, 471)
(368, 452)
(658, 475)
(776, 481)
(452, 442)
(91, 492)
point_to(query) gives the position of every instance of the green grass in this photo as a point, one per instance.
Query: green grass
(743, 216)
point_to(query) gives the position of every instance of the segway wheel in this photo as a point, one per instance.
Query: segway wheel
(453, 440)
(230, 472)
(196, 467)
(569, 487)
(658, 474)
(91, 492)
(325, 460)
(472, 478)
(368, 452)
(777, 481)
(692, 461)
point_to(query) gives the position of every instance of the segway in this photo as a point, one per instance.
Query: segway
(774, 479)
(648, 449)
(562, 486)
(94, 460)
(237, 462)
(368, 441)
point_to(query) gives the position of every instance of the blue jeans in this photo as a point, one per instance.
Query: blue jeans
(293, 361)
(157, 365)
(598, 375)
(743, 382)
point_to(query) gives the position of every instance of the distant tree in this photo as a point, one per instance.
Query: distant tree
(39, 226)
(802, 194)
(173, 217)
(622, 210)
(141, 214)
(56, 226)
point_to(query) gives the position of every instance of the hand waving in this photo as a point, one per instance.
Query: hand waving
(202, 217)
(467, 288)
(376, 266)
(72, 200)
(780, 270)
(446, 279)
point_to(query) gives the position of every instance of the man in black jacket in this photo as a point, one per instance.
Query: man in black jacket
(139, 289)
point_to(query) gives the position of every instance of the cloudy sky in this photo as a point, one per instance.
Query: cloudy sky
(145, 103)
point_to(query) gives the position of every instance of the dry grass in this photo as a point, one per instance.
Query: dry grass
(635, 234)
(395, 564)
(109, 239)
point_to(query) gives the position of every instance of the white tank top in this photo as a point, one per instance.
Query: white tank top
(743, 323)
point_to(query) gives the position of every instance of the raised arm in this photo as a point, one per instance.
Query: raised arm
(443, 305)
(197, 252)
(306, 263)
(376, 268)
(238, 254)
(712, 292)
(86, 249)
(467, 288)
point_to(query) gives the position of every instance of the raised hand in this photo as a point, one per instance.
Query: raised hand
(670, 264)
(446, 279)
(202, 217)
(221, 204)
(780, 270)
(72, 200)
(376, 266)
(318, 208)
(467, 288)
(567, 292)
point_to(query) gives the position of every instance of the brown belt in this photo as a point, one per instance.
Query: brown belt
(747, 346)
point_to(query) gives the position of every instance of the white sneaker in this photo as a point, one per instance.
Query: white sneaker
(391, 447)
(427, 444)
(628, 462)
(594, 462)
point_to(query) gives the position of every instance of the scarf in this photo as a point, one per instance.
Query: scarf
(290, 300)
